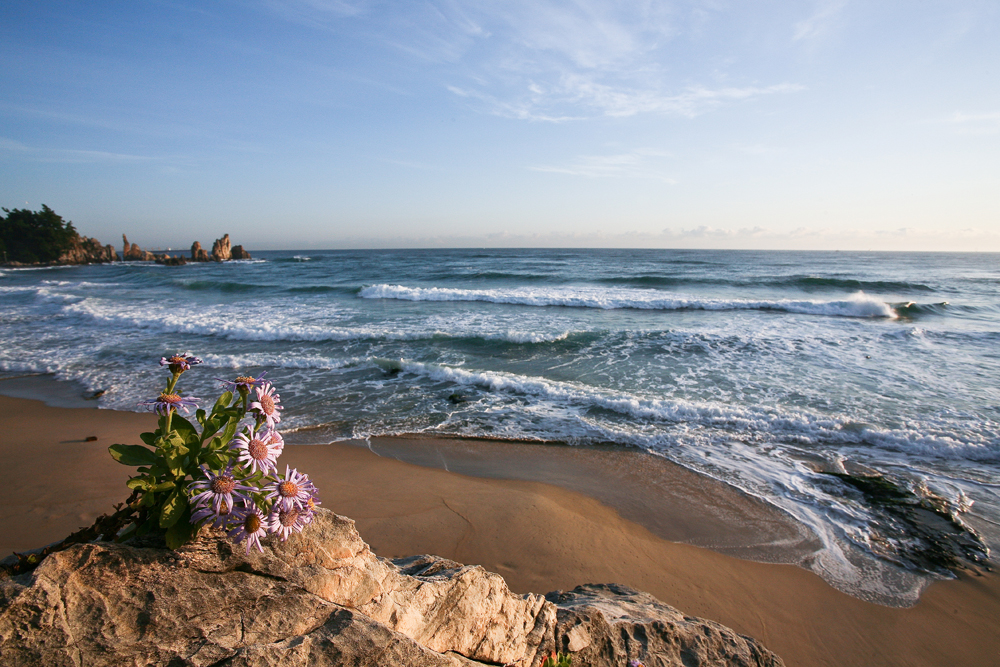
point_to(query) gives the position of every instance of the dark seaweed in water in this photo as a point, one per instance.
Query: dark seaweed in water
(921, 530)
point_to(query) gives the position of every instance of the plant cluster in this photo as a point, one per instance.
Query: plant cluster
(34, 236)
(557, 660)
(223, 471)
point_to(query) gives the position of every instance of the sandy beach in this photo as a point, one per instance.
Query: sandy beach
(578, 527)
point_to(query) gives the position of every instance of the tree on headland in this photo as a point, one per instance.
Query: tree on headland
(34, 236)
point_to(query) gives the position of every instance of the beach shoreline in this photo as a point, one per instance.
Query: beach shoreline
(540, 536)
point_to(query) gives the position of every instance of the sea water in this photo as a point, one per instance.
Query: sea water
(765, 370)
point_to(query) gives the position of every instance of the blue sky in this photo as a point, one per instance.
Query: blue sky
(829, 124)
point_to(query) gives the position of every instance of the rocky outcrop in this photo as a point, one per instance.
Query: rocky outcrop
(323, 598)
(86, 250)
(133, 253)
(221, 250)
(171, 260)
(198, 254)
(240, 253)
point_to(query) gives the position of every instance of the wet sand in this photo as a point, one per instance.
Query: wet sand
(600, 520)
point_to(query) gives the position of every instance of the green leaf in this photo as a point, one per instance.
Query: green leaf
(127, 533)
(163, 486)
(175, 506)
(148, 438)
(223, 402)
(132, 455)
(181, 532)
(183, 427)
(230, 431)
(211, 427)
(137, 483)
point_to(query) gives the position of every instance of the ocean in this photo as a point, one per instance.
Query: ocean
(764, 370)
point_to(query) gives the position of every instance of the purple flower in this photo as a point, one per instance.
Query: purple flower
(250, 526)
(164, 403)
(268, 405)
(277, 441)
(180, 362)
(243, 383)
(256, 450)
(283, 522)
(635, 663)
(292, 492)
(219, 489)
(222, 516)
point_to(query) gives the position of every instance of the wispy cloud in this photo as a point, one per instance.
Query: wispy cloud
(579, 96)
(314, 13)
(639, 163)
(975, 123)
(67, 155)
(820, 22)
(546, 60)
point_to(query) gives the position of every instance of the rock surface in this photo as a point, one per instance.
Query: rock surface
(221, 250)
(86, 250)
(240, 253)
(198, 254)
(133, 253)
(323, 598)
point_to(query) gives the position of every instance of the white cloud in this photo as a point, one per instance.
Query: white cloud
(67, 155)
(975, 123)
(640, 163)
(545, 60)
(821, 21)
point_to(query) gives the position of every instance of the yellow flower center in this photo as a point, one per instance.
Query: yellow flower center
(257, 449)
(252, 524)
(288, 489)
(267, 404)
(223, 484)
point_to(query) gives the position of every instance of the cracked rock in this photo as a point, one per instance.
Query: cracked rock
(323, 598)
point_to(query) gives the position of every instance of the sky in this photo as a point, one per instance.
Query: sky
(821, 124)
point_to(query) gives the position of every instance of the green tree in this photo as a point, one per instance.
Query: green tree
(35, 236)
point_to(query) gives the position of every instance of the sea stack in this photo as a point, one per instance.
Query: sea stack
(198, 254)
(221, 250)
(133, 253)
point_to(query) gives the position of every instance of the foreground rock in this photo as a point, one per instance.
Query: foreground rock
(323, 598)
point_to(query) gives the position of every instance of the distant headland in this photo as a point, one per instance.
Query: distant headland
(43, 238)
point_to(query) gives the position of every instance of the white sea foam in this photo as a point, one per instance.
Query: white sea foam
(278, 324)
(859, 305)
(927, 439)
(279, 361)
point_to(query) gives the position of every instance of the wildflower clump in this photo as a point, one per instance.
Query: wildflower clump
(220, 471)
(557, 660)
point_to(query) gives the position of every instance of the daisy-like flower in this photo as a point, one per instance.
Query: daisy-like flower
(292, 492)
(250, 526)
(223, 515)
(164, 403)
(256, 450)
(244, 383)
(277, 441)
(283, 522)
(312, 503)
(268, 405)
(180, 362)
(219, 489)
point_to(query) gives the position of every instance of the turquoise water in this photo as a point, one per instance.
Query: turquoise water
(756, 368)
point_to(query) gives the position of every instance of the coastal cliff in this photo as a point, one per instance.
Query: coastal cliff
(43, 238)
(323, 598)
